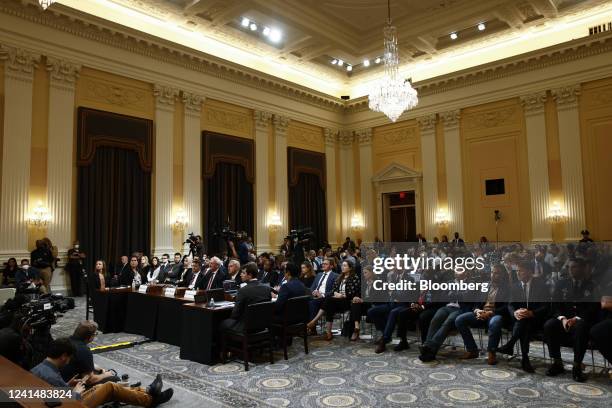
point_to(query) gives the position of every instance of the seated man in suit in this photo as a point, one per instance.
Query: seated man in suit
(321, 287)
(528, 309)
(293, 287)
(601, 333)
(575, 311)
(165, 268)
(267, 274)
(233, 271)
(253, 292)
(214, 276)
(194, 278)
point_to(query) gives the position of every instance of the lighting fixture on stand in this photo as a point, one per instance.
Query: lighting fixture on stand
(392, 94)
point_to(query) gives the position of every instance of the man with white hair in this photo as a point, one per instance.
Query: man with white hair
(233, 271)
(214, 276)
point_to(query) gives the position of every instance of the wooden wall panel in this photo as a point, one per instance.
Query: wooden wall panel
(397, 143)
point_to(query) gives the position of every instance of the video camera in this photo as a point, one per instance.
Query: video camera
(300, 234)
(41, 312)
(195, 244)
(227, 234)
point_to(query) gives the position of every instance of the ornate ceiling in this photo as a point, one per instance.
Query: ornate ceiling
(314, 32)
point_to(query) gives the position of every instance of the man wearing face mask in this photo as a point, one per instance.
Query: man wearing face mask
(74, 267)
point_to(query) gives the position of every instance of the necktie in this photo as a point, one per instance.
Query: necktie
(525, 294)
(210, 281)
(193, 280)
(321, 281)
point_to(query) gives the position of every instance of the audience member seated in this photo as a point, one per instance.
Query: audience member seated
(443, 321)
(165, 268)
(119, 270)
(307, 274)
(528, 309)
(131, 275)
(293, 287)
(322, 287)
(346, 287)
(153, 272)
(12, 345)
(99, 275)
(267, 274)
(490, 314)
(359, 307)
(145, 269)
(253, 292)
(81, 364)
(601, 332)
(185, 269)
(9, 272)
(233, 271)
(193, 278)
(27, 276)
(575, 311)
(214, 276)
(421, 311)
(59, 353)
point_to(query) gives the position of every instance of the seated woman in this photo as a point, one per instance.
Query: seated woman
(346, 287)
(99, 275)
(9, 272)
(307, 274)
(145, 268)
(490, 314)
(153, 271)
(358, 306)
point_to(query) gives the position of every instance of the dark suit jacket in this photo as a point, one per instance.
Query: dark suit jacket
(546, 268)
(581, 301)
(185, 279)
(538, 295)
(127, 277)
(218, 282)
(253, 292)
(164, 271)
(329, 285)
(199, 283)
(271, 277)
(293, 288)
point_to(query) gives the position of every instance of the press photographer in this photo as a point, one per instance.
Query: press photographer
(196, 247)
(74, 267)
(299, 239)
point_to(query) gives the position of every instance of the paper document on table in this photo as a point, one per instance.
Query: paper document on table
(224, 303)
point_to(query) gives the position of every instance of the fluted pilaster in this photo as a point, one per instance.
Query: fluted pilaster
(347, 180)
(364, 138)
(331, 136)
(454, 181)
(192, 157)
(427, 127)
(281, 123)
(262, 176)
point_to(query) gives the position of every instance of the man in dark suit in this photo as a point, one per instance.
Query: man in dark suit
(253, 292)
(457, 241)
(214, 276)
(194, 278)
(322, 286)
(165, 268)
(529, 309)
(541, 268)
(293, 287)
(575, 311)
(267, 274)
(119, 270)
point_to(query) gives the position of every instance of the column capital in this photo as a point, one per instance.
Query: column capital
(566, 96)
(346, 137)
(364, 136)
(165, 96)
(62, 73)
(262, 119)
(331, 136)
(193, 103)
(281, 123)
(20, 63)
(533, 104)
(427, 123)
(450, 119)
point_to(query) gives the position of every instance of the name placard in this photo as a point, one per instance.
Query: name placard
(169, 292)
(190, 294)
(143, 289)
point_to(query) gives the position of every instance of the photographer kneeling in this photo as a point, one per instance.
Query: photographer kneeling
(60, 352)
(82, 365)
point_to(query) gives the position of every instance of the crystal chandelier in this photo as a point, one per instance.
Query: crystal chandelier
(392, 95)
(46, 3)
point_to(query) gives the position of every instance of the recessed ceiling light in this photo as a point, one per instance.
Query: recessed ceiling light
(366, 63)
(253, 26)
(453, 36)
(481, 26)
(266, 31)
(275, 35)
(377, 60)
(334, 61)
(349, 68)
(245, 22)
(340, 63)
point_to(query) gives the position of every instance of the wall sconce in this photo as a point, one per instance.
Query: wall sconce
(274, 222)
(556, 214)
(180, 222)
(40, 217)
(442, 218)
(357, 223)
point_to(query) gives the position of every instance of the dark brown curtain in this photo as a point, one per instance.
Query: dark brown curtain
(307, 208)
(114, 206)
(228, 195)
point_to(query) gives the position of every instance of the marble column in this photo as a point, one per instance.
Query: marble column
(427, 127)
(192, 157)
(165, 97)
(535, 126)
(281, 123)
(364, 138)
(347, 181)
(262, 179)
(19, 68)
(571, 159)
(331, 193)
(454, 181)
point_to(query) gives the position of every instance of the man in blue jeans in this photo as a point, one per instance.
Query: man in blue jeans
(489, 313)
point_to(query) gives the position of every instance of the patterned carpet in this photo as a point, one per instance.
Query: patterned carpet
(344, 374)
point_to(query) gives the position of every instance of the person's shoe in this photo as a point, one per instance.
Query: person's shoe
(578, 375)
(491, 358)
(355, 335)
(402, 345)
(162, 397)
(470, 355)
(328, 336)
(380, 347)
(526, 366)
(426, 354)
(555, 369)
(154, 389)
(506, 349)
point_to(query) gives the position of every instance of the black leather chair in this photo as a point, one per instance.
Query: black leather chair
(293, 322)
(256, 333)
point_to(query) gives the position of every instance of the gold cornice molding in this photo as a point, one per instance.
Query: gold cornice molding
(111, 34)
